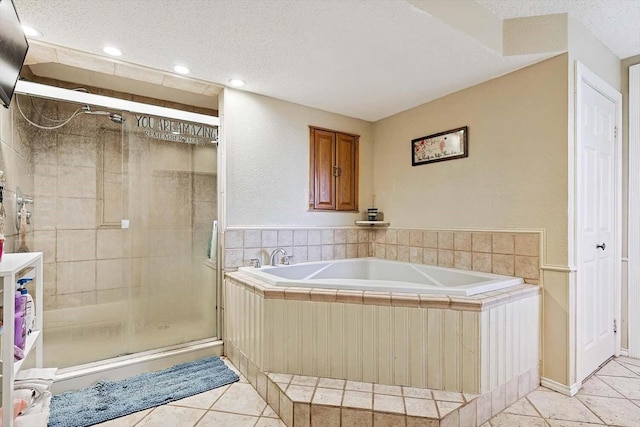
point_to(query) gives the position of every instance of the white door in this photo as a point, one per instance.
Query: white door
(597, 237)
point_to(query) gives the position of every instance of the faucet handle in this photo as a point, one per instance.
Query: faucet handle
(256, 262)
(288, 259)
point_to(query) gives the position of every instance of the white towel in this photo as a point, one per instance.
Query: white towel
(27, 395)
(37, 373)
(38, 385)
(37, 415)
(40, 419)
(41, 404)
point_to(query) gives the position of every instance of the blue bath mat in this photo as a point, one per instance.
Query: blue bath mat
(113, 399)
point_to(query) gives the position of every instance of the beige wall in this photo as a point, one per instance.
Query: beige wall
(586, 48)
(267, 161)
(515, 175)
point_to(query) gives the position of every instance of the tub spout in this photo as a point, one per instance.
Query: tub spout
(272, 260)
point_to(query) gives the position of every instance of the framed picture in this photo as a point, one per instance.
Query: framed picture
(448, 145)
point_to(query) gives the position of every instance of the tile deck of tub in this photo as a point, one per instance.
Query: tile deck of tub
(303, 401)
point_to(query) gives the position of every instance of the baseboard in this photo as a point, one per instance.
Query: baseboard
(560, 388)
(82, 376)
(624, 352)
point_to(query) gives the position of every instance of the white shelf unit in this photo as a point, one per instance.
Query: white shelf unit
(10, 266)
(373, 223)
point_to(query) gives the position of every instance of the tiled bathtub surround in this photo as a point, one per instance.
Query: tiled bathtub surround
(467, 344)
(509, 253)
(242, 245)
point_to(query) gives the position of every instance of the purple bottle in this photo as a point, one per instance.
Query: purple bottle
(20, 332)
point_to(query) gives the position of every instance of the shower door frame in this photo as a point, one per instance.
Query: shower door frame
(57, 93)
(61, 94)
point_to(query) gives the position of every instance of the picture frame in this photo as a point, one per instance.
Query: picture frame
(447, 145)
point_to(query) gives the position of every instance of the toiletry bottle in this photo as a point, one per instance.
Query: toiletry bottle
(29, 308)
(20, 331)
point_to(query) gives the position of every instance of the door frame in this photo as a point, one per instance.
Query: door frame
(584, 76)
(633, 228)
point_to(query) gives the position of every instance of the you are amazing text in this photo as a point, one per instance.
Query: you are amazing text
(171, 130)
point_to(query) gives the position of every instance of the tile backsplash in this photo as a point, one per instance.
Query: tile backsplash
(507, 253)
(242, 245)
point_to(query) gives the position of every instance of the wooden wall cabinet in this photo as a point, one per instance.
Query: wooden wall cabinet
(333, 171)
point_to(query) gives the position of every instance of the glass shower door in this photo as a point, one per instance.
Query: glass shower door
(75, 155)
(171, 204)
(123, 210)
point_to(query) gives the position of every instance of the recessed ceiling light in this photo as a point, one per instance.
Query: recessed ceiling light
(113, 51)
(30, 31)
(180, 69)
(236, 82)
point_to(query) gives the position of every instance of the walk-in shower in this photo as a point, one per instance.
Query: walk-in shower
(124, 200)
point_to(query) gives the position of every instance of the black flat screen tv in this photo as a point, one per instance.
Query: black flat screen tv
(13, 50)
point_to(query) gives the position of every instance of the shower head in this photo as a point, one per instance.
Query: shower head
(116, 118)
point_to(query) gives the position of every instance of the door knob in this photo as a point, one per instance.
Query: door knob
(602, 246)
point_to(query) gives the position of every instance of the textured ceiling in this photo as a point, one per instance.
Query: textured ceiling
(616, 23)
(363, 58)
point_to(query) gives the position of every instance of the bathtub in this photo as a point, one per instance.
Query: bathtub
(374, 274)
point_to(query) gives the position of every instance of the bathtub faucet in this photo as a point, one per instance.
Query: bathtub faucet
(272, 260)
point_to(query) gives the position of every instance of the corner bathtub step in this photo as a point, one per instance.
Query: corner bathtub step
(303, 401)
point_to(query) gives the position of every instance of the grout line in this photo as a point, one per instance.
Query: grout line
(533, 406)
(257, 419)
(200, 419)
(228, 386)
(621, 364)
(609, 386)
(590, 410)
(545, 421)
(142, 419)
(236, 413)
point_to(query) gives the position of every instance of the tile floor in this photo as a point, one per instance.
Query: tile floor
(234, 405)
(611, 397)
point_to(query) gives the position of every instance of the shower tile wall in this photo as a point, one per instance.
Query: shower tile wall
(16, 162)
(80, 196)
(67, 165)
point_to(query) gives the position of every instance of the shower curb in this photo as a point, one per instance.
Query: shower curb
(118, 368)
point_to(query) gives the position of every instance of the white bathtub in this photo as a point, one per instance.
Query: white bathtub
(374, 274)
